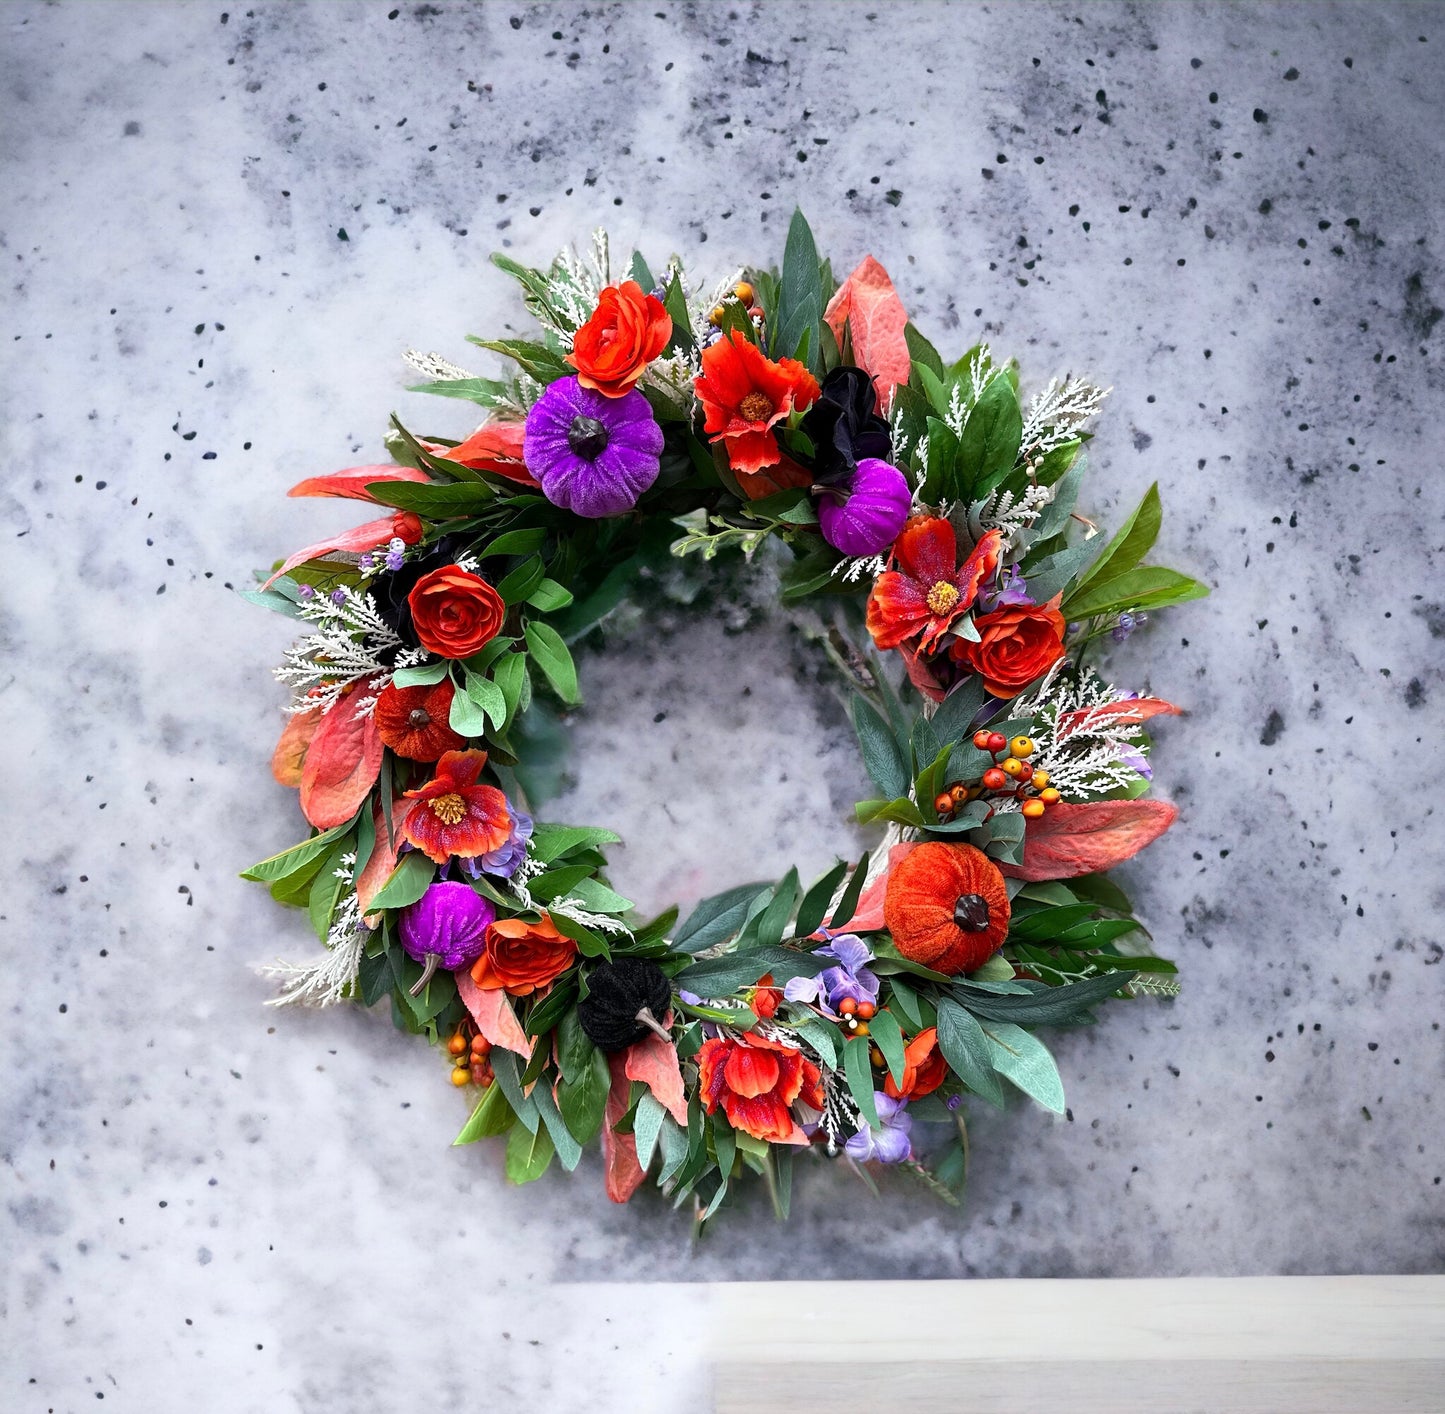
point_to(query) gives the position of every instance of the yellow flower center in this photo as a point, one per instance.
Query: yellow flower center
(449, 809)
(756, 407)
(942, 598)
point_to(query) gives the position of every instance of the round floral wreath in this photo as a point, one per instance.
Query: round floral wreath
(916, 503)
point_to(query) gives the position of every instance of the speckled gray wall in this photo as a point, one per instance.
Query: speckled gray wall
(222, 226)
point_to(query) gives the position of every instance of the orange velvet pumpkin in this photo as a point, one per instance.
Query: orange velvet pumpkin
(947, 907)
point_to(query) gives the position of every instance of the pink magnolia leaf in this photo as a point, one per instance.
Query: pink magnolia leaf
(289, 757)
(1133, 711)
(876, 319)
(1069, 839)
(654, 1062)
(619, 1151)
(495, 447)
(357, 540)
(492, 1011)
(353, 481)
(383, 853)
(342, 763)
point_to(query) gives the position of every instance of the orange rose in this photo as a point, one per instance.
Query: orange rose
(1016, 646)
(626, 332)
(455, 612)
(521, 957)
(924, 1068)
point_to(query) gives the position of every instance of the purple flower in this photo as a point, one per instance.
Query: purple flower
(506, 859)
(396, 554)
(849, 979)
(594, 455)
(890, 1144)
(365, 563)
(1136, 760)
(305, 592)
(863, 515)
(338, 597)
(1126, 625)
(448, 922)
(1011, 590)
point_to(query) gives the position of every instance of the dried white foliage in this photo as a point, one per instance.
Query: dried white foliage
(574, 284)
(1086, 742)
(349, 644)
(1012, 516)
(433, 365)
(1057, 413)
(332, 977)
(1149, 984)
(861, 567)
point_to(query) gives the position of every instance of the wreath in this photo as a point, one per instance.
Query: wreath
(917, 507)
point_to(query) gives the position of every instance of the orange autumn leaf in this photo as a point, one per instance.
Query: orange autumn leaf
(342, 763)
(784, 476)
(1071, 839)
(1134, 711)
(870, 306)
(493, 1013)
(290, 754)
(353, 481)
(624, 1174)
(383, 853)
(654, 1062)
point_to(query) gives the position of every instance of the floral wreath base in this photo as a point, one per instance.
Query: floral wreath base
(919, 507)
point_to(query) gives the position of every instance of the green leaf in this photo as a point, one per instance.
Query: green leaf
(966, 1049)
(1055, 516)
(513, 542)
(466, 498)
(674, 300)
(921, 351)
(848, 904)
(597, 897)
(467, 717)
(420, 677)
(716, 919)
(724, 1144)
(520, 582)
(941, 466)
(537, 360)
(1052, 575)
(569, 1150)
(767, 929)
(722, 976)
(646, 1128)
(815, 902)
(557, 882)
(488, 696)
(1148, 587)
(325, 889)
(493, 1115)
(508, 1076)
(574, 1046)
(291, 861)
(528, 1155)
(549, 596)
(820, 1036)
(550, 654)
(906, 1000)
(552, 842)
(955, 715)
(800, 293)
(1025, 1060)
(1134, 540)
(883, 758)
(859, 1072)
(888, 1037)
(989, 445)
(408, 882)
(1043, 1006)
(487, 391)
(901, 811)
(509, 676)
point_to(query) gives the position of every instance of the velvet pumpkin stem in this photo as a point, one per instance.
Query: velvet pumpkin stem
(417, 987)
(646, 1017)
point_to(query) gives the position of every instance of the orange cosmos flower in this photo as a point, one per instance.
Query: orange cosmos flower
(453, 815)
(927, 589)
(744, 394)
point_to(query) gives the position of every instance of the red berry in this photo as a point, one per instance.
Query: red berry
(980, 739)
(997, 741)
(994, 779)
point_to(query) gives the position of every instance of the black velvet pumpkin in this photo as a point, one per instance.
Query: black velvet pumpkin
(617, 991)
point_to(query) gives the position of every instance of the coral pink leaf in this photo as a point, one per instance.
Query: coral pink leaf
(352, 482)
(654, 1062)
(619, 1151)
(342, 763)
(357, 540)
(494, 447)
(1136, 710)
(1069, 840)
(493, 1014)
(383, 853)
(290, 754)
(876, 319)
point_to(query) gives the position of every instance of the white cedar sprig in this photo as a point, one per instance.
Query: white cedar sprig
(1057, 413)
(332, 977)
(349, 644)
(1085, 737)
(1012, 515)
(433, 365)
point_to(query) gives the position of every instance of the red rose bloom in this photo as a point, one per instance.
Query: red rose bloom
(413, 720)
(453, 815)
(521, 957)
(924, 1068)
(756, 1080)
(1016, 646)
(744, 394)
(927, 589)
(628, 330)
(455, 612)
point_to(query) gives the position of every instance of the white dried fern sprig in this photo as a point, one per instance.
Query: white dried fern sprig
(860, 567)
(1085, 740)
(1057, 413)
(349, 644)
(1148, 984)
(700, 306)
(330, 978)
(433, 365)
(1012, 515)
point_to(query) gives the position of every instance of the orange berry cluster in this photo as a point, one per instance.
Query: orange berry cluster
(856, 1015)
(743, 293)
(470, 1064)
(1010, 776)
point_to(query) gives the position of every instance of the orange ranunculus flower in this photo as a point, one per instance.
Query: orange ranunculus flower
(744, 393)
(454, 612)
(924, 1068)
(756, 1080)
(1016, 646)
(626, 332)
(766, 997)
(521, 957)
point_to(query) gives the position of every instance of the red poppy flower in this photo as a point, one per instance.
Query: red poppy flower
(744, 394)
(413, 720)
(928, 589)
(924, 1068)
(756, 1080)
(454, 815)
